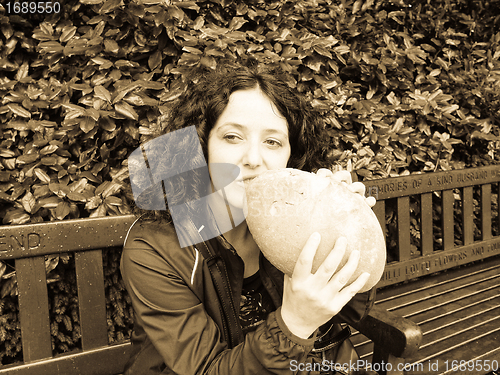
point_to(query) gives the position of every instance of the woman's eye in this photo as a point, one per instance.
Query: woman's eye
(231, 137)
(273, 142)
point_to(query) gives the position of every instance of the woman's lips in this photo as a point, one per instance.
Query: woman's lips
(244, 181)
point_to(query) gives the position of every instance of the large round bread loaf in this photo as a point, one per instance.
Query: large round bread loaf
(285, 206)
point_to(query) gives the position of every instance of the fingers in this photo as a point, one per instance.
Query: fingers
(346, 294)
(370, 201)
(345, 273)
(359, 283)
(323, 172)
(332, 261)
(357, 187)
(342, 176)
(304, 261)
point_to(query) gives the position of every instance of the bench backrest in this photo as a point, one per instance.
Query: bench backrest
(413, 210)
(87, 238)
(28, 244)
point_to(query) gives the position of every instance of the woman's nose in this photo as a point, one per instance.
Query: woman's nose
(253, 157)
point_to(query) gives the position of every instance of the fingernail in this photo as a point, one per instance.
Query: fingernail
(316, 236)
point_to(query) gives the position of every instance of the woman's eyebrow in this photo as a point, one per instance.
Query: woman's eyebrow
(243, 127)
(233, 124)
(275, 131)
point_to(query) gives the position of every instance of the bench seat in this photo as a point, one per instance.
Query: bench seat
(458, 312)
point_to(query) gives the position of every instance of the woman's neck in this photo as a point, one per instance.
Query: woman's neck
(242, 241)
(238, 236)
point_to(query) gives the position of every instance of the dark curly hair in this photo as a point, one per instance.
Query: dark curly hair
(201, 105)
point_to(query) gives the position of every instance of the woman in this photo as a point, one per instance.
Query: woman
(218, 306)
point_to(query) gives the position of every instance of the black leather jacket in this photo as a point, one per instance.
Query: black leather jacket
(186, 304)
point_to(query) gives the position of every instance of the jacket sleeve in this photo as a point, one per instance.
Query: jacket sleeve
(357, 308)
(186, 337)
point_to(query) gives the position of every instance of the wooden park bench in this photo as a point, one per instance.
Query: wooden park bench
(458, 310)
(442, 305)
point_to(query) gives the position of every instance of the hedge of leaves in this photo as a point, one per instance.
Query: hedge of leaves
(405, 86)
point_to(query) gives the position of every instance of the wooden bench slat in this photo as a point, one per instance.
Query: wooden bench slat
(28, 240)
(467, 335)
(481, 357)
(479, 324)
(33, 308)
(388, 293)
(364, 347)
(448, 201)
(427, 242)
(91, 297)
(486, 211)
(486, 299)
(476, 318)
(404, 228)
(460, 316)
(440, 366)
(448, 303)
(468, 215)
(429, 182)
(498, 207)
(379, 210)
(428, 298)
(106, 360)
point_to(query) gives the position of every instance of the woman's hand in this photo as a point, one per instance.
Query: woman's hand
(310, 300)
(345, 176)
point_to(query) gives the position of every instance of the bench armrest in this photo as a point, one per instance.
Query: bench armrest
(391, 334)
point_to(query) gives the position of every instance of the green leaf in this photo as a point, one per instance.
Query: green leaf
(68, 32)
(93, 203)
(51, 262)
(110, 5)
(140, 99)
(27, 158)
(76, 197)
(18, 110)
(111, 46)
(236, 23)
(62, 210)
(76, 47)
(87, 124)
(3, 267)
(102, 93)
(126, 110)
(44, 177)
(22, 72)
(16, 217)
(50, 202)
(9, 286)
(107, 124)
(188, 5)
(28, 202)
(113, 201)
(154, 60)
(49, 149)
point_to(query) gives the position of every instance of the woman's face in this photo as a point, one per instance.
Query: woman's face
(251, 134)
